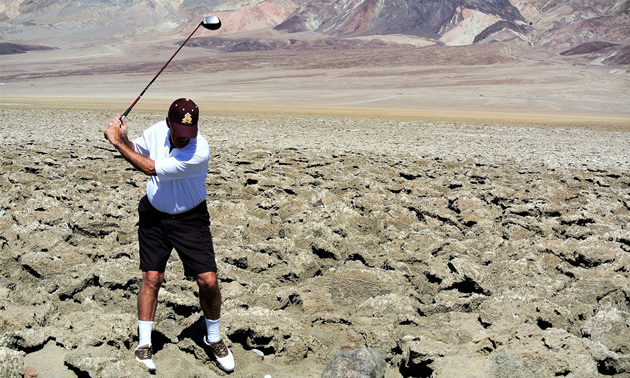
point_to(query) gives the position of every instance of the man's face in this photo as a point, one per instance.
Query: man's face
(177, 142)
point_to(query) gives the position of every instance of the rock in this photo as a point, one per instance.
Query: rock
(104, 361)
(418, 353)
(358, 363)
(611, 327)
(11, 362)
(30, 372)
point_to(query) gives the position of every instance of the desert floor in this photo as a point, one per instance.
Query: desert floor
(482, 83)
(455, 209)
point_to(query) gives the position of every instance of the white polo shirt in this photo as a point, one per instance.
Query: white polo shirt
(180, 184)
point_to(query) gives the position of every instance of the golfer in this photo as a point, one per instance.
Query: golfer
(173, 214)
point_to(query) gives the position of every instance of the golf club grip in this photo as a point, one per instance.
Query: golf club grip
(131, 106)
(124, 115)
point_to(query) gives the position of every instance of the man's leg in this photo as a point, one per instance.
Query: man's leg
(209, 295)
(210, 301)
(148, 294)
(147, 304)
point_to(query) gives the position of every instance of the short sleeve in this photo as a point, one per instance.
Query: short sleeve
(140, 145)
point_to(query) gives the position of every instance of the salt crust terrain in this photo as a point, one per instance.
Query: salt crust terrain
(462, 211)
(451, 248)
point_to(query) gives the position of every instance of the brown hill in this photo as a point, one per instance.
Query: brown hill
(550, 25)
(7, 48)
(621, 55)
(587, 48)
(425, 19)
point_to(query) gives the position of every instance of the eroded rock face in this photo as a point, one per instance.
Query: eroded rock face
(363, 362)
(442, 247)
(428, 19)
(11, 362)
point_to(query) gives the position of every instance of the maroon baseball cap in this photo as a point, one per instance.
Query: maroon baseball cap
(183, 116)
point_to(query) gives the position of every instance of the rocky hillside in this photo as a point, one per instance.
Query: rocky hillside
(439, 21)
(551, 25)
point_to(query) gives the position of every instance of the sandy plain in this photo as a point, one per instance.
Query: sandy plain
(494, 82)
(455, 209)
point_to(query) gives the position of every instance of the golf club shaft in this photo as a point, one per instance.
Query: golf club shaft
(158, 74)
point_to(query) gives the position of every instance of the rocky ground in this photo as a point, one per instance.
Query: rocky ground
(452, 249)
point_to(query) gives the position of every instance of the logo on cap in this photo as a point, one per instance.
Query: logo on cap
(187, 119)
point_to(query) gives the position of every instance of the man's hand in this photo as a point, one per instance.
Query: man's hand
(116, 134)
(116, 131)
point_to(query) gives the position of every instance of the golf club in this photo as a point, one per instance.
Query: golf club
(210, 22)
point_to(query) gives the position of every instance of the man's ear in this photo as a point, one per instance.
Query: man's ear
(168, 123)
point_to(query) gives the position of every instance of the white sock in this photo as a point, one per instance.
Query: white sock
(213, 327)
(144, 332)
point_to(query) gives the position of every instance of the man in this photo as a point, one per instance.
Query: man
(173, 214)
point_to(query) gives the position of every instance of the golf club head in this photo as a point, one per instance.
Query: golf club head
(211, 22)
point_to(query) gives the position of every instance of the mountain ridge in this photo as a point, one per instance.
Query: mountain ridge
(550, 25)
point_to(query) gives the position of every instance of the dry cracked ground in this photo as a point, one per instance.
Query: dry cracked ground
(450, 248)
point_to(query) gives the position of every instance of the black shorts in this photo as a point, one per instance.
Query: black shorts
(188, 232)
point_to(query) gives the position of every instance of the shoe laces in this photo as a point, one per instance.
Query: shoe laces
(144, 353)
(219, 348)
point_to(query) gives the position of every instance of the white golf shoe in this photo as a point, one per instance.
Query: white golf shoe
(224, 357)
(144, 355)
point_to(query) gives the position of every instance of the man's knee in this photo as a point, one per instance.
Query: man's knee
(207, 281)
(152, 280)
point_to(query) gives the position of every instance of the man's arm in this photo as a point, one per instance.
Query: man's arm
(142, 163)
(116, 134)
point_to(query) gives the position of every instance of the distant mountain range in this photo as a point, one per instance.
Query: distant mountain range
(600, 28)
